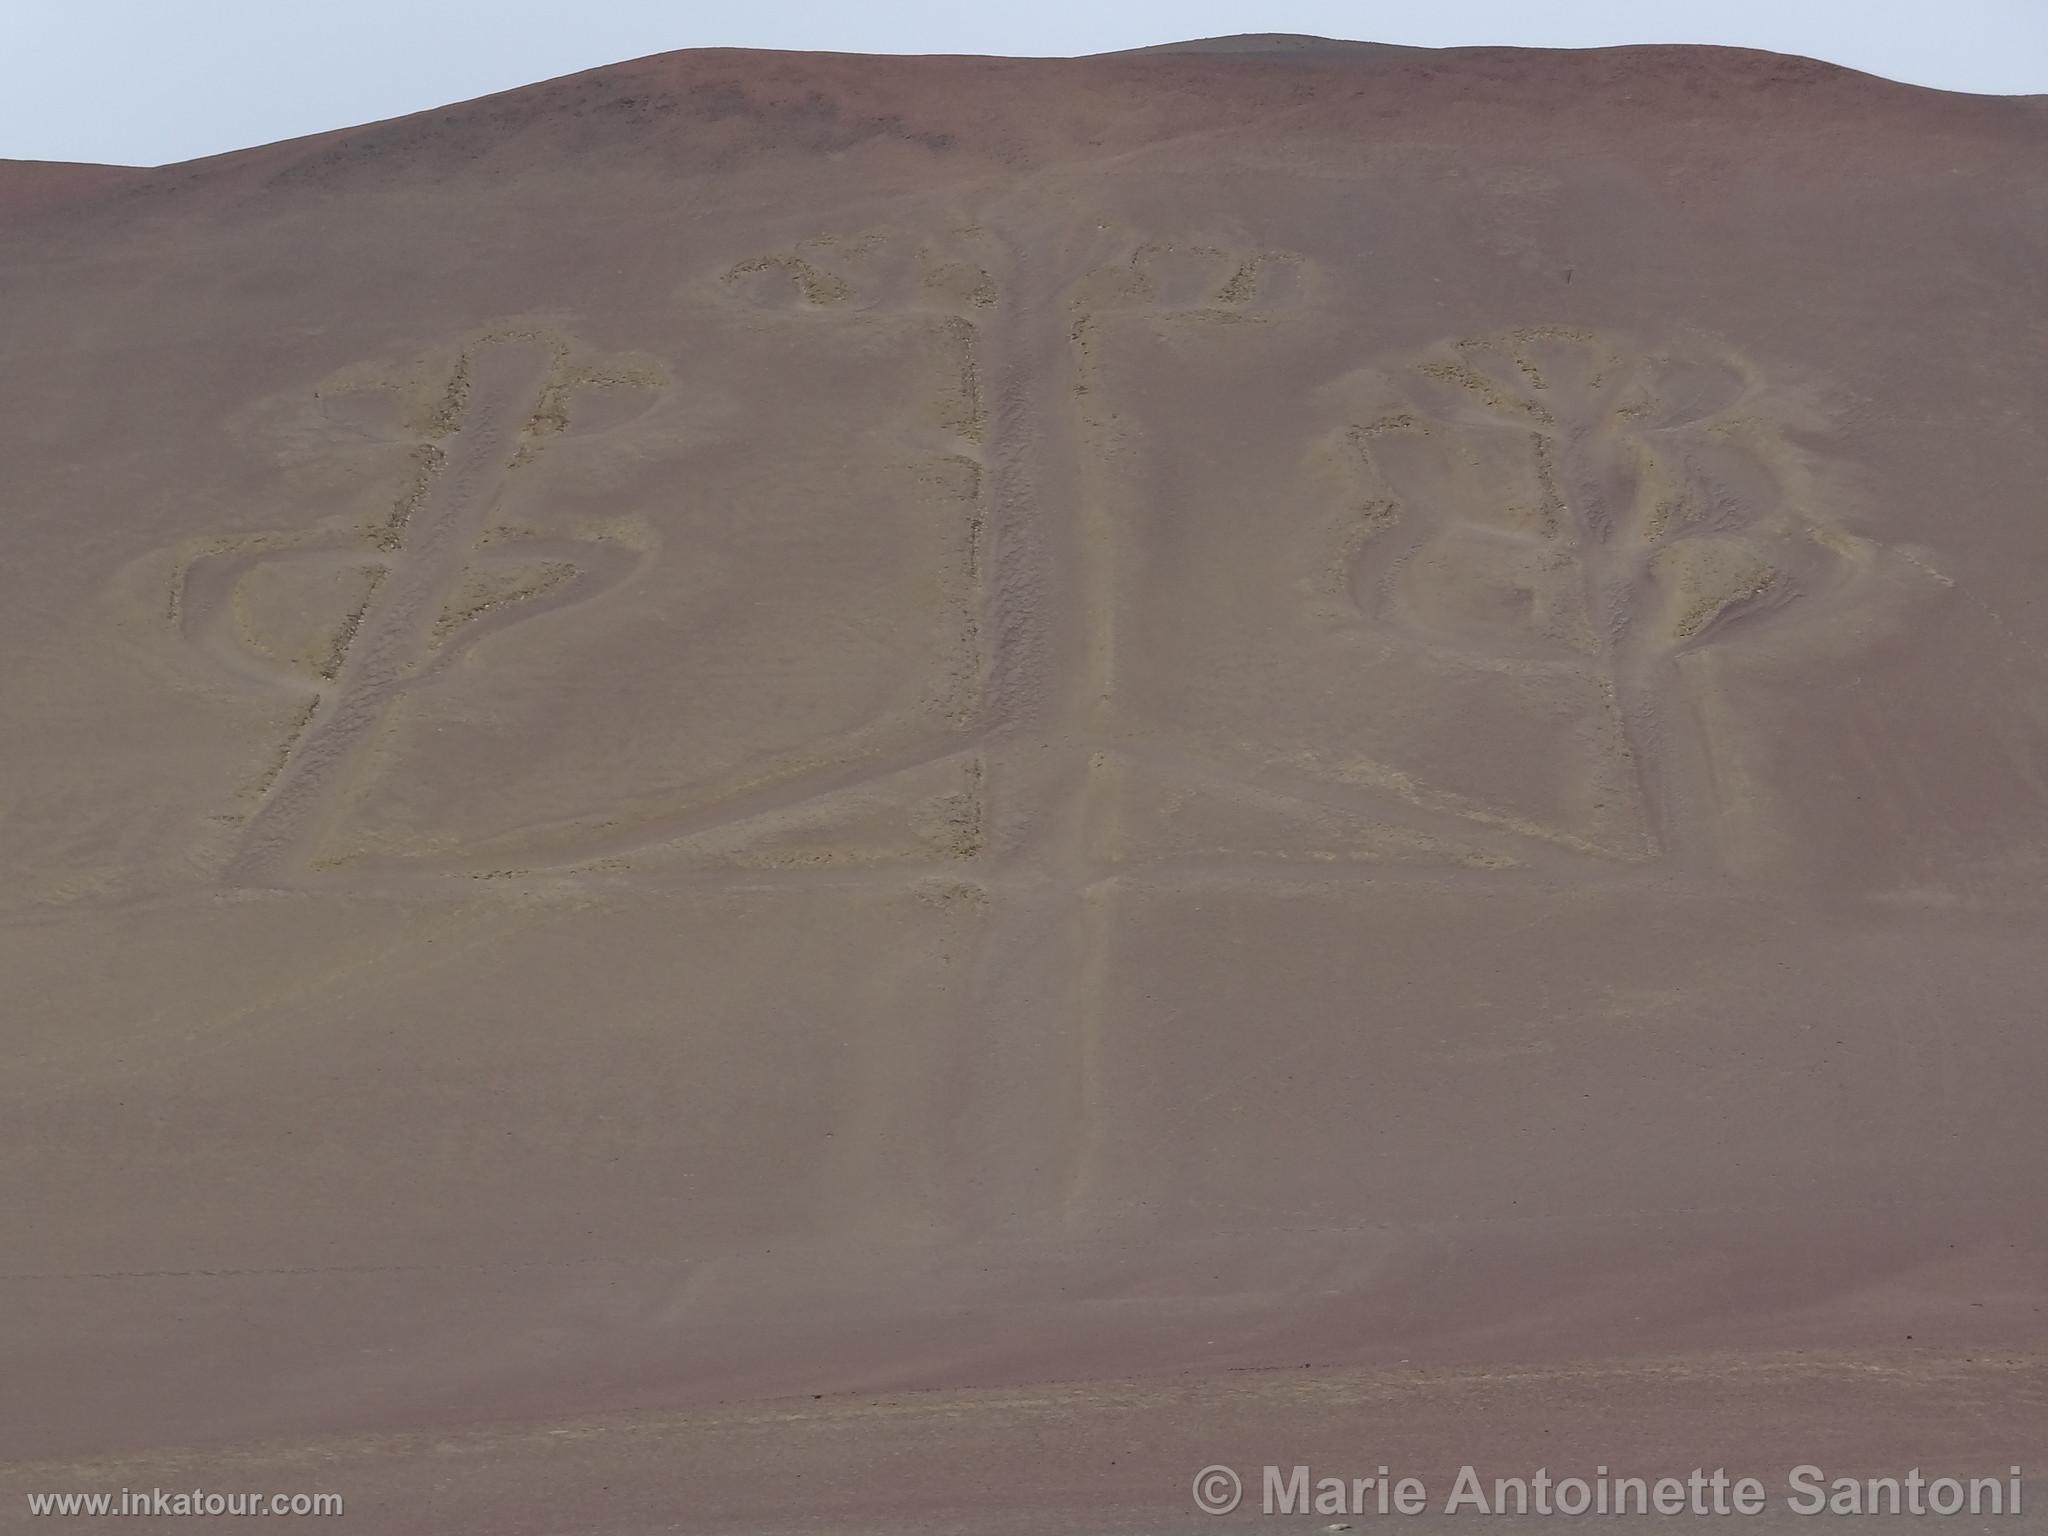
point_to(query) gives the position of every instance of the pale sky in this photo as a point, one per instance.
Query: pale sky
(146, 82)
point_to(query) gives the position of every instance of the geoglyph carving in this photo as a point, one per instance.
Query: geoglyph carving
(1549, 501)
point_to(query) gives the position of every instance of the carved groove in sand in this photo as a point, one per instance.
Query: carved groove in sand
(1174, 282)
(351, 620)
(947, 286)
(1189, 277)
(1546, 502)
(875, 270)
(926, 801)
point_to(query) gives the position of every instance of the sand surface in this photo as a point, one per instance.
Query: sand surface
(766, 791)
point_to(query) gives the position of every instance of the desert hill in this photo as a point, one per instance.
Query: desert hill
(775, 787)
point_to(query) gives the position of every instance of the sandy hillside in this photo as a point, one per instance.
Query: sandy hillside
(766, 790)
